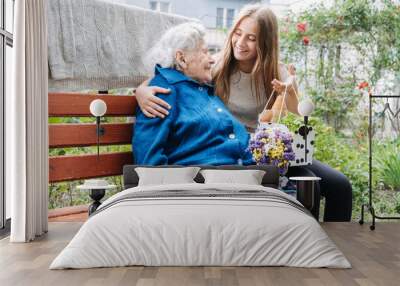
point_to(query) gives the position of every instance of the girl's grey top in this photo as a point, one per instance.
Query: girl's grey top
(243, 102)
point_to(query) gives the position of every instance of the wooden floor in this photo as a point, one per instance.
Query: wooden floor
(375, 256)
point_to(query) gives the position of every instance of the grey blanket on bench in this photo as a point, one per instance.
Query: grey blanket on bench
(100, 45)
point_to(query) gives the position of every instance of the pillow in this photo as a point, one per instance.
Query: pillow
(249, 177)
(166, 176)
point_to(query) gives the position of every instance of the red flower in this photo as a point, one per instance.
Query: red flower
(363, 85)
(301, 27)
(306, 40)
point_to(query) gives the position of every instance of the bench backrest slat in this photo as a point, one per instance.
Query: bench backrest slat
(67, 168)
(75, 104)
(76, 167)
(80, 135)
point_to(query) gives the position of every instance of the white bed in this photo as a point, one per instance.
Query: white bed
(248, 225)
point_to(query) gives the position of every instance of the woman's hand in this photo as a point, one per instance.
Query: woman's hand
(150, 104)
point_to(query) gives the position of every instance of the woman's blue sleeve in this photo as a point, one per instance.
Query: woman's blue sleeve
(151, 134)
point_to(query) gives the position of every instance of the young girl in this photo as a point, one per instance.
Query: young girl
(250, 80)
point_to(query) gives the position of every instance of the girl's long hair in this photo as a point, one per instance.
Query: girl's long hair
(266, 65)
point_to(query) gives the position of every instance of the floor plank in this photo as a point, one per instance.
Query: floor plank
(375, 257)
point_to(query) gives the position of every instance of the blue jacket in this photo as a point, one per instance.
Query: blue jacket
(199, 129)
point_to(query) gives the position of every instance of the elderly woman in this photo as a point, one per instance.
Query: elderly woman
(199, 128)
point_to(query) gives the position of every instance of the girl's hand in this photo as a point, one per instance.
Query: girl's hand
(291, 69)
(150, 104)
(279, 86)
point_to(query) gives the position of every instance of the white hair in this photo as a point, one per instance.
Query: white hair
(186, 37)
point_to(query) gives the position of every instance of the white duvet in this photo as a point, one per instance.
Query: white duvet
(183, 231)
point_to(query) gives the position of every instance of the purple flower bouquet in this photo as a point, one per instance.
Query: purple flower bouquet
(272, 144)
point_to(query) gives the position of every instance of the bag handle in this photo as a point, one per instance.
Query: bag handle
(284, 97)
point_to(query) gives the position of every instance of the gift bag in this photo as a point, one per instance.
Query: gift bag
(303, 146)
(273, 143)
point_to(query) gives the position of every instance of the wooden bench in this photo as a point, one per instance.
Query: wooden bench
(75, 167)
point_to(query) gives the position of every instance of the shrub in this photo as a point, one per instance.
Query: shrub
(388, 165)
(347, 155)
